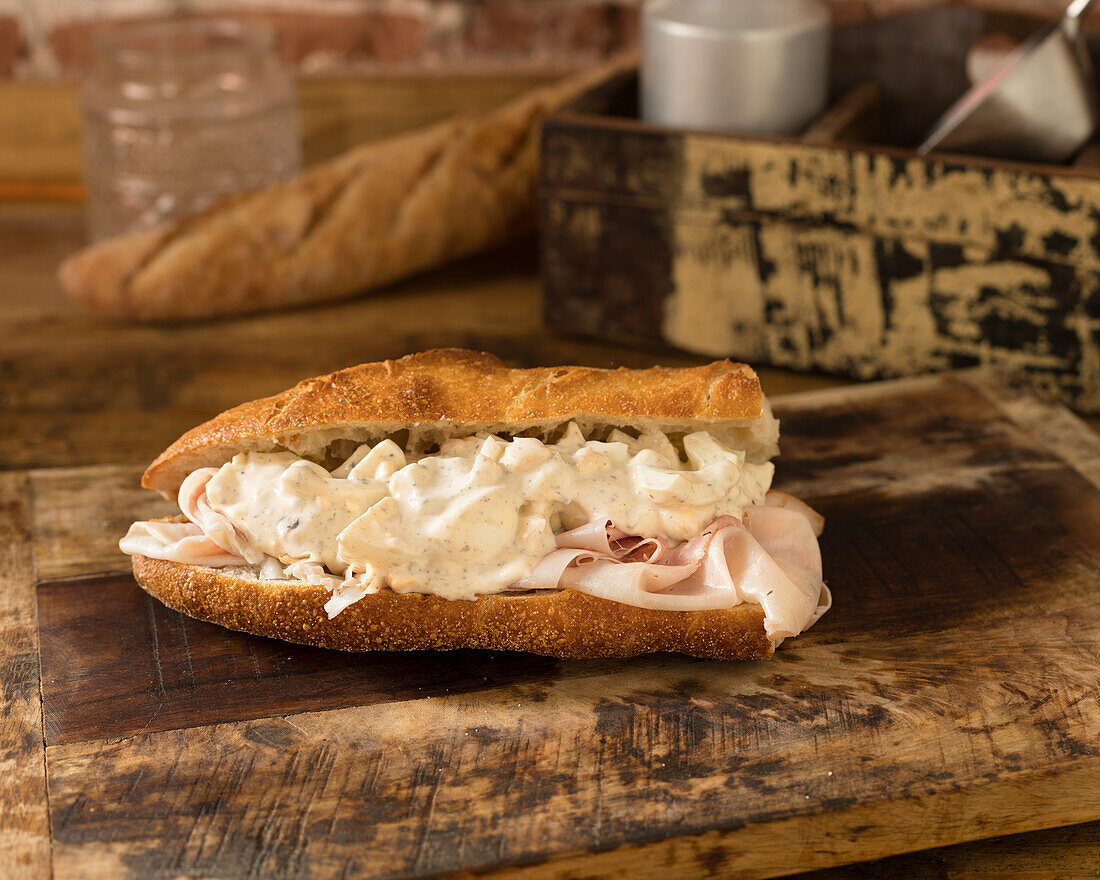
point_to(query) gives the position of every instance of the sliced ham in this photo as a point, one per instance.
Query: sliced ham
(770, 558)
(597, 541)
(782, 499)
(216, 526)
(549, 571)
(603, 538)
(775, 562)
(643, 584)
(633, 548)
(176, 542)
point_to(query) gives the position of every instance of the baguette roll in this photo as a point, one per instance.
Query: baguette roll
(422, 402)
(380, 212)
(427, 398)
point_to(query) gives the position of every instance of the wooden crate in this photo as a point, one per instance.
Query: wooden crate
(858, 258)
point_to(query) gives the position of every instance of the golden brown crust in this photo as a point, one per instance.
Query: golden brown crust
(558, 624)
(455, 392)
(375, 214)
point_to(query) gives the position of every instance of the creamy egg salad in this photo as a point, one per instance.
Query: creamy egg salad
(629, 518)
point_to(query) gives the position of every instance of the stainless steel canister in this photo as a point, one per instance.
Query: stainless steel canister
(754, 66)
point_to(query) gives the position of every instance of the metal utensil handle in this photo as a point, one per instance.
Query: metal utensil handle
(1077, 8)
(1071, 19)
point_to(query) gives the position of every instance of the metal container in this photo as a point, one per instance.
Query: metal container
(750, 66)
(1039, 104)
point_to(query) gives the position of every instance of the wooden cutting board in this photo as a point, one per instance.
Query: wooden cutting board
(953, 692)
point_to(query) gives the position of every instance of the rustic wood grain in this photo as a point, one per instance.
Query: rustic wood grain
(116, 662)
(1053, 427)
(848, 118)
(951, 693)
(420, 789)
(73, 420)
(80, 514)
(1070, 853)
(24, 821)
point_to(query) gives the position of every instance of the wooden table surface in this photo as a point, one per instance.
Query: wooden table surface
(77, 390)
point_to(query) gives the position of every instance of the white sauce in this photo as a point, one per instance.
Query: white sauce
(287, 507)
(480, 514)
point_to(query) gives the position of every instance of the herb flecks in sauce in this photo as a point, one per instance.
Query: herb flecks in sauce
(478, 515)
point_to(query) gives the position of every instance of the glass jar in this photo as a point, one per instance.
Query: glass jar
(179, 113)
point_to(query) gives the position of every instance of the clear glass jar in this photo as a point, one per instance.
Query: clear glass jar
(180, 113)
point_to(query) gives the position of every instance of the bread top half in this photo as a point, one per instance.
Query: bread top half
(423, 399)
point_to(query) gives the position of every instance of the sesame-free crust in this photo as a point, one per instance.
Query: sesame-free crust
(452, 392)
(379, 212)
(555, 623)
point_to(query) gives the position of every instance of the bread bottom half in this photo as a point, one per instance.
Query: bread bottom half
(559, 623)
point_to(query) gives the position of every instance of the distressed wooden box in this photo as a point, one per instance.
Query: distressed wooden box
(858, 258)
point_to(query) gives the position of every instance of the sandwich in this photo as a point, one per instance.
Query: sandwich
(446, 501)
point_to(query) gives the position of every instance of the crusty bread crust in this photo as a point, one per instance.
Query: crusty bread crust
(380, 212)
(450, 392)
(559, 623)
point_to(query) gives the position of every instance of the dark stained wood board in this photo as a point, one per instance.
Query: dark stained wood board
(951, 694)
(116, 662)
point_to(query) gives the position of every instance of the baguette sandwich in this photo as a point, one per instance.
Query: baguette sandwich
(444, 500)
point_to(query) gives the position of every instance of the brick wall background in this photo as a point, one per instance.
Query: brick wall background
(51, 39)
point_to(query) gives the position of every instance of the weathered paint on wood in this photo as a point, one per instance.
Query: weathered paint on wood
(860, 260)
(951, 693)
(811, 257)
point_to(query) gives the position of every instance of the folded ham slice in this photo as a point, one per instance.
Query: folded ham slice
(771, 558)
(782, 499)
(208, 539)
(176, 542)
(602, 537)
(196, 507)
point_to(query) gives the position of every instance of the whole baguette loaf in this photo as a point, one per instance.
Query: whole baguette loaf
(378, 213)
(446, 393)
(556, 623)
